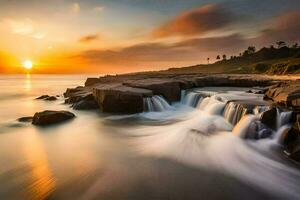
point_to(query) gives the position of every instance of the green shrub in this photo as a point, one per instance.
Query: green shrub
(261, 67)
(292, 68)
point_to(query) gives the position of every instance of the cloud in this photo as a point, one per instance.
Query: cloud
(75, 8)
(196, 21)
(284, 27)
(21, 26)
(98, 8)
(25, 27)
(89, 38)
(158, 55)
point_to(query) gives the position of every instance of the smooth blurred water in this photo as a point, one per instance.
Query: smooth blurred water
(182, 153)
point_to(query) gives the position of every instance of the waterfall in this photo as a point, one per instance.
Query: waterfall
(283, 118)
(242, 127)
(234, 111)
(156, 103)
(191, 98)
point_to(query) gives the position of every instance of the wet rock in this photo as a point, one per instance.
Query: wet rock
(249, 91)
(120, 98)
(50, 98)
(269, 118)
(47, 98)
(258, 130)
(50, 117)
(265, 133)
(25, 119)
(86, 104)
(71, 91)
(43, 97)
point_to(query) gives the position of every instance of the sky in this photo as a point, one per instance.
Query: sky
(120, 36)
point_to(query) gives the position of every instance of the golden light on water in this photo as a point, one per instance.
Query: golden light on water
(27, 64)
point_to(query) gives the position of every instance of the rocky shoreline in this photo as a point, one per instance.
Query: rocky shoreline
(123, 94)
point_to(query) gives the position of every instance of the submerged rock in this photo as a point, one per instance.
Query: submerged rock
(43, 97)
(51, 98)
(257, 130)
(50, 117)
(47, 98)
(25, 119)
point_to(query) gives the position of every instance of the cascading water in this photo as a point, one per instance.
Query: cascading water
(242, 110)
(234, 111)
(206, 137)
(192, 99)
(156, 103)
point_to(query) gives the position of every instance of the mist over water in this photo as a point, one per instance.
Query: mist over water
(188, 150)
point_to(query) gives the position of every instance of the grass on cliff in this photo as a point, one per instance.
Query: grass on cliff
(284, 60)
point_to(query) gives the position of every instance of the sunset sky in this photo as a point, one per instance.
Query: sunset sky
(117, 36)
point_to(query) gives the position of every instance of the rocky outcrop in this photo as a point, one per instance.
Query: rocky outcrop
(291, 139)
(49, 117)
(43, 97)
(285, 93)
(47, 98)
(169, 89)
(120, 99)
(124, 93)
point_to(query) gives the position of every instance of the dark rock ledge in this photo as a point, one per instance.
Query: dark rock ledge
(124, 93)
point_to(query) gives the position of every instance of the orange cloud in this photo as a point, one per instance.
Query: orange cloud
(197, 21)
(89, 38)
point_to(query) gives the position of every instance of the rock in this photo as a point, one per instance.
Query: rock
(86, 104)
(47, 98)
(43, 97)
(286, 93)
(269, 118)
(168, 88)
(120, 98)
(50, 98)
(257, 130)
(25, 119)
(92, 81)
(265, 133)
(249, 91)
(71, 91)
(49, 117)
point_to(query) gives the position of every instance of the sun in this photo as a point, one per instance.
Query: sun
(27, 64)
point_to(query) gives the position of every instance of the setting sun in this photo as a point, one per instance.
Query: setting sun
(27, 64)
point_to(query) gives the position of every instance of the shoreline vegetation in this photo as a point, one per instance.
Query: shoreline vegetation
(280, 60)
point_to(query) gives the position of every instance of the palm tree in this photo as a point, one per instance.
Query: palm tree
(251, 49)
(280, 44)
(224, 57)
(207, 60)
(295, 46)
(218, 57)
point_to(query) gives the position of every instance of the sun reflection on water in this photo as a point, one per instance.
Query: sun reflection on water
(41, 179)
(28, 84)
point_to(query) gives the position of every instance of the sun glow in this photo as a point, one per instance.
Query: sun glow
(27, 64)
